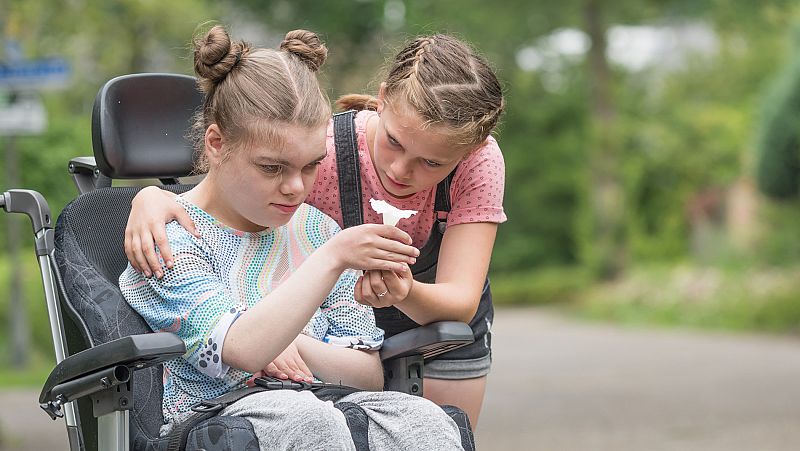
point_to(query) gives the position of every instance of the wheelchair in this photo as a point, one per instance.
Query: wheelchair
(107, 384)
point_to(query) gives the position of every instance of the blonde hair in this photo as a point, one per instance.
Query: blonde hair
(446, 83)
(251, 94)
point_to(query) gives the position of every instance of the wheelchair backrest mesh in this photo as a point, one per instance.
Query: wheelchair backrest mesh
(90, 257)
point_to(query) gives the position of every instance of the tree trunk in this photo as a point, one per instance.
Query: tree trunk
(17, 317)
(605, 249)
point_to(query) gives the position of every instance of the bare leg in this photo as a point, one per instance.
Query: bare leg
(466, 394)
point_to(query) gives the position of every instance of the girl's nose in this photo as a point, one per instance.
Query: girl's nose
(401, 169)
(292, 184)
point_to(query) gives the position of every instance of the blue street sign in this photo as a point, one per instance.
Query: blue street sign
(35, 74)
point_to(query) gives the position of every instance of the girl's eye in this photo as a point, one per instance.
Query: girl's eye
(392, 141)
(312, 166)
(432, 164)
(272, 169)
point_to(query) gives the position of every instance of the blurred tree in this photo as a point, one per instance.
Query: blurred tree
(100, 39)
(606, 199)
(778, 169)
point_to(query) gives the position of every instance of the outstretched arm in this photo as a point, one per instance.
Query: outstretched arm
(272, 324)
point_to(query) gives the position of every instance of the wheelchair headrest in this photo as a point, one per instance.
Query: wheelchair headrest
(140, 124)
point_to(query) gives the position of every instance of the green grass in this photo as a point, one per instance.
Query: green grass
(32, 377)
(540, 287)
(729, 298)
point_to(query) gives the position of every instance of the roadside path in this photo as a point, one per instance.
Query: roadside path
(561, 384)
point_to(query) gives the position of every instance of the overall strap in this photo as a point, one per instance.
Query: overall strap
(442, 203)
(347, 166)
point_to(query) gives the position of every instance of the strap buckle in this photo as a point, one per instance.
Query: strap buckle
(206, 406)
(271, 383)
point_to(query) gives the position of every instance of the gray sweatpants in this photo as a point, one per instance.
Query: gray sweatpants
(290, 420)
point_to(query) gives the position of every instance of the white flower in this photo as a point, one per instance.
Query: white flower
(390, 213)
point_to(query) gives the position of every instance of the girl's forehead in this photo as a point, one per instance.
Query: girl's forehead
(292, 145)
(431, 141)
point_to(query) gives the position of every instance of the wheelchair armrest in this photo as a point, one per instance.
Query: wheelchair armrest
(108, 364)
(428, 341)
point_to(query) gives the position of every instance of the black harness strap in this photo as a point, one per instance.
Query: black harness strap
(347, 165)
(357, 422)
(210, 408)
(203, 411)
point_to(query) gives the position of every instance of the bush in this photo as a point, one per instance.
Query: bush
(542, 286)
(708, 297)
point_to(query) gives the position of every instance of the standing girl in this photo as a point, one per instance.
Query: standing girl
(423, 144)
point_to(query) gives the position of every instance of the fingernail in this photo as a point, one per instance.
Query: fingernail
(147, 274)
(169, 263)
(159, 274)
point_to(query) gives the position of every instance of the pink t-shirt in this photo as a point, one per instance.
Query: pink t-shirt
(476, 192)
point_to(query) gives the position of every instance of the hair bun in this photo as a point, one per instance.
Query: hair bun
(307, 46)
(215, 56)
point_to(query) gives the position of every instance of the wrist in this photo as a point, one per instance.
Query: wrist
(410, 290)
(330, 255)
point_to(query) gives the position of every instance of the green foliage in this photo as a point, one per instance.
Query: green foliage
(688, 295)
(32, 377)
(778, 244)
(778, 171)
(543, 147)
(679, 134)
(539, 287)
(35, 306)
(100, 39)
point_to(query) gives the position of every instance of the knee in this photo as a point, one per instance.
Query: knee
(321, 419)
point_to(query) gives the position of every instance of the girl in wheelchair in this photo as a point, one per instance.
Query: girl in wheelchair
(268, 283)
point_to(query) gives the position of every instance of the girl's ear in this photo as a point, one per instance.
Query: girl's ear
(381, 98)
(213, 144)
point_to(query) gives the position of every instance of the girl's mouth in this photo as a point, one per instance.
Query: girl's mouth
(397, 184)
(286, 208)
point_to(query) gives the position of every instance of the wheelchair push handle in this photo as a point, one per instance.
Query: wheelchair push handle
(36, 208)
(30, 203)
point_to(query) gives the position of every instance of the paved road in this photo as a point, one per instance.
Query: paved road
(563, 385)
(558, 384)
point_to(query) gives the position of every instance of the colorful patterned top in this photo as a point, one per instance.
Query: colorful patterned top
(216, 278)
